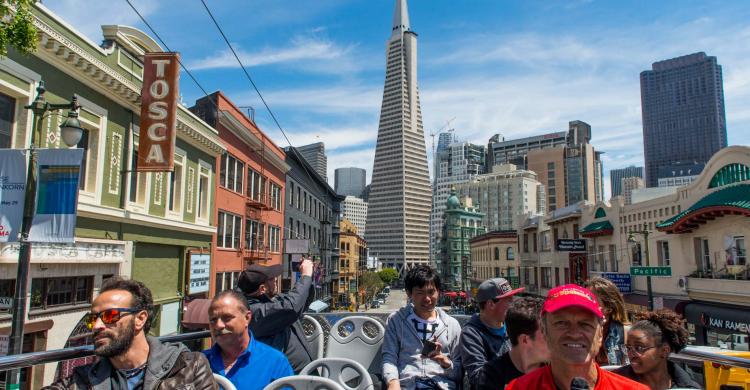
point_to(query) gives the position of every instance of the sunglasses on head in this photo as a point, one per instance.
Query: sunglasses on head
(109, 316)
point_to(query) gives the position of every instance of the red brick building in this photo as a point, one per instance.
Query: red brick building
(249, 193)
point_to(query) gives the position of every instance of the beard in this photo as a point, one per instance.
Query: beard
(119, 343)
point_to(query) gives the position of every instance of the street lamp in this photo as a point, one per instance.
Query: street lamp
(71, 132)
(631, 239)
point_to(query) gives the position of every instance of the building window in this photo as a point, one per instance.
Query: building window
(137, 179)
(52, 292)
(175, 185)
(7, 111)
(228, 233)
(256, 185)
(663, 247)
(275, 196)
(226, 280)
(274, 234)
(84, 144)
(546, 277)
(557, 276)
(740, 251)
(254, 234)
(203, 193)
(509, 254)
(291, 193)
(231, 173)
(497, 253)
(525, 243)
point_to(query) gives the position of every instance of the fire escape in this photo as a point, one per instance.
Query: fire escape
(256, 202)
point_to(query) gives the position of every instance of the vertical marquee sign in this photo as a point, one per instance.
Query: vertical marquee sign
(158, 112)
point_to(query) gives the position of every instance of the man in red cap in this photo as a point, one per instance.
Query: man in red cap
(572, 324)
(484, 339)
(276, 317)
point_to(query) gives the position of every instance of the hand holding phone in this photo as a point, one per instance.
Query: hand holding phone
(428, 346)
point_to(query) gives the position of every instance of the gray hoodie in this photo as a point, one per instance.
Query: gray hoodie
(402, 351)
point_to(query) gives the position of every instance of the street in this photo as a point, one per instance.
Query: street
(396, 300)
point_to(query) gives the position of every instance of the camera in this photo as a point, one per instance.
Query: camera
(427, 347)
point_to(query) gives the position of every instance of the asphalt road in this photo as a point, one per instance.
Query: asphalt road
(395, 301)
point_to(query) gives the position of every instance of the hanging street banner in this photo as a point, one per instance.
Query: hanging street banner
(158, 112)
(12, 192)
(58, 173)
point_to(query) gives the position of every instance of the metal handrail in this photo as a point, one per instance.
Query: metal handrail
(733, 361)
(12, 362)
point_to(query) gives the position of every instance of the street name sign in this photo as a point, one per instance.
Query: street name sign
(570, 245)
(651, 271)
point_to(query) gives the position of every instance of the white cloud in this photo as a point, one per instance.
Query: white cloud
(306, 51)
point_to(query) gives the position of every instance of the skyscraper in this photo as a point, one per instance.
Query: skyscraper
(399, 202)
(616, 176)
(350, 181)
(682, 101)
(315, 155)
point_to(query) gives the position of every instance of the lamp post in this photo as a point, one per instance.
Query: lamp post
(631, 239)
(71, 132)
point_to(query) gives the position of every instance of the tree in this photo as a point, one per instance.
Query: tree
(371, 283)
(388, 275)
(17, 26)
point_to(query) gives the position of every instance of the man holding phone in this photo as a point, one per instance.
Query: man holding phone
(421, 340)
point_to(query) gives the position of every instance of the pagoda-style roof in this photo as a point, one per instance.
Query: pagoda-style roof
(731, 200)
(596, 229)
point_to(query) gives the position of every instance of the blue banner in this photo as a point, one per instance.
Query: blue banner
(58, 173)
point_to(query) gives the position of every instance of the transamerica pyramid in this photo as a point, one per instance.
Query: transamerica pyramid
(400, 199)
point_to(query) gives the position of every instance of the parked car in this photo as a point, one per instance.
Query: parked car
(736, 342)
(374, 304)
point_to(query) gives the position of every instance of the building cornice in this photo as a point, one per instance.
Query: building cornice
(131, 217)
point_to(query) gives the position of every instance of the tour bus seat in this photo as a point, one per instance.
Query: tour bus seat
(314, 336)
(358, 338)
(224, 382)
(343, 371)
(304, 382)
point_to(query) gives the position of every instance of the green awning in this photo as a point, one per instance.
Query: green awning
(729, 200)
(601, 228)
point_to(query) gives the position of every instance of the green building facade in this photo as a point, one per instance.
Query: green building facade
(139, 225)
(462, 221)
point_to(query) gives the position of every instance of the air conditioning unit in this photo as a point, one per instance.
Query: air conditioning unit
(683, 283)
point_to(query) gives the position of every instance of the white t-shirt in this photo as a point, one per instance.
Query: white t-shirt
(426, 329)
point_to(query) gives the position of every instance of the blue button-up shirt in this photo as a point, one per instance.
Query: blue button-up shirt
(255, 368)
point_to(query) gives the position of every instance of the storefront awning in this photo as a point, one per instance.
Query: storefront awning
(728, 200)
(196, 314)
(596, 229)
(725, 318)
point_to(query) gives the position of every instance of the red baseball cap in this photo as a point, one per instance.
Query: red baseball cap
(571, 295)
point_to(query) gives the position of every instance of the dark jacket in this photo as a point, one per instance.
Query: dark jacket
(170, 366)
(681, 379)
(276, 322)
(479, 347)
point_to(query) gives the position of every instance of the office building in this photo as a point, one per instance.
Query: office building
(616, 176)
(682, 103)
(355, 211)
(505, 196)
(315, 155)
(679, 174)
(462, 221)
(501, 151)
(630, 184)
(398, 215)
(350, 181)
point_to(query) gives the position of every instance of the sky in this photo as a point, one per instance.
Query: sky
(517, 68)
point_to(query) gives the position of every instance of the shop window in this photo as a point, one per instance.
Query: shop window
(228, 231)
(48, 293)
(7, 110)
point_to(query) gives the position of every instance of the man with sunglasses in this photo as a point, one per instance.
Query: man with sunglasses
(484, 339)
(120, 319)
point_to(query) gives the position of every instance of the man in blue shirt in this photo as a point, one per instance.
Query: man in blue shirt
(246, 362)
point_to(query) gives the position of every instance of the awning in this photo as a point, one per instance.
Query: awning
(595, 229)
(196, 314)
(727, 318)
(451, 294)
(728, 200)
(318, 306)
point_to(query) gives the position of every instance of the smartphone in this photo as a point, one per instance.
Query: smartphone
(427, 347)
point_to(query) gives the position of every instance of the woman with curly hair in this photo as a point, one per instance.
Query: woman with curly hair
(650, 341)
(612, 352)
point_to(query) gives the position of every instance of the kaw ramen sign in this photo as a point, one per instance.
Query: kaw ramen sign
(158, 112)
